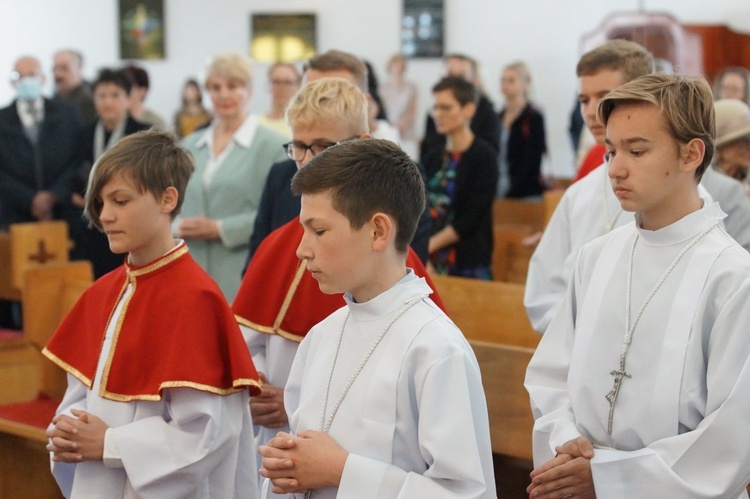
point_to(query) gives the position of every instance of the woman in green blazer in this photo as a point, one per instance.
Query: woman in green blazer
(232, 157)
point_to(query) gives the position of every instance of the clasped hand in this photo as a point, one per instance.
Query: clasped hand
(76, 439)
(568, 474)
(310, 460)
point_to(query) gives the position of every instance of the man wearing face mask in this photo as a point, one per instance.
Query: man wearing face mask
(38, 150)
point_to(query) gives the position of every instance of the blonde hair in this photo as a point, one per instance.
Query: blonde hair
(685, 103)
(329, 98)
(522, 70)
(231, 65)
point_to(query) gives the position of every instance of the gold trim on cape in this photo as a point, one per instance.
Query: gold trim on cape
(276, 328)
(67, 367)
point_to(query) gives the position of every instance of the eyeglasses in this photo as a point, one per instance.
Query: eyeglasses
(297, 150)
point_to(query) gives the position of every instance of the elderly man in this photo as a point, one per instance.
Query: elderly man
(38, 145)
(733, 140)
(69, 84)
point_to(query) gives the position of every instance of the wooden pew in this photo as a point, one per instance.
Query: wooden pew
(510, 257)
(49, 291)
(506, 211)
(492, 317)
(551, 199)
(28, 245)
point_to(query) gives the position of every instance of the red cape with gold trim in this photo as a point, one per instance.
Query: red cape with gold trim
(176, 330)
(279, 296)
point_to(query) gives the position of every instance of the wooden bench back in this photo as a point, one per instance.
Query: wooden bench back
(503, 371)
(510, 258)
(507, 211)
(30, 245)
(49, 292)
(487, 310)
(551, 199)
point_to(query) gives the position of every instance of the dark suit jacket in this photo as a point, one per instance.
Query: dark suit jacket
(56, 152)
(279, 205)
(484, 124)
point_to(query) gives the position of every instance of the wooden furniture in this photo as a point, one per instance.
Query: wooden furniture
(510, 256)
(492, 317)
(27, 245)
(551, 199)
(31, 387)
(507, 211)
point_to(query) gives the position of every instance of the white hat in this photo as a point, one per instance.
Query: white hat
(732, 120)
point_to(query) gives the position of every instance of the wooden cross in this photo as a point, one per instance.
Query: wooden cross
(42, 256)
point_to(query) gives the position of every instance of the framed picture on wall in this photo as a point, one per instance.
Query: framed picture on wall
(282, 37)
(422, 28)
(141, 28)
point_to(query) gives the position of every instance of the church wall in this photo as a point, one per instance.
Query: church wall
(544, 33)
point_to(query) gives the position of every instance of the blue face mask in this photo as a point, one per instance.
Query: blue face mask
(29, 88)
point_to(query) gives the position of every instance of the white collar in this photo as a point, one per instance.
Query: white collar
(243, 136)
(389, 300)
(684, 228)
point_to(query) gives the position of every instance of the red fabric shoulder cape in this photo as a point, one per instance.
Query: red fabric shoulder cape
(279, 296)
(593, 159)
(176, 330)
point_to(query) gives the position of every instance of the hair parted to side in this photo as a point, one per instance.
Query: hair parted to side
(365, 177)
(232, 66)
(329, 99)
(336, 60)
(617, 55)
(685, 102)
(152, 160)
(462, 90)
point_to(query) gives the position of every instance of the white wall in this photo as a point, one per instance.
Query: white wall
(544, 33)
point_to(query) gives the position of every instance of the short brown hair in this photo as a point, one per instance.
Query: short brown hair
(151, 159)
(364, 177)
(462, 90)
(617, 55)
(336, 60)
(685, 103)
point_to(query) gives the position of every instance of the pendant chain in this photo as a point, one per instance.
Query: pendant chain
(359, 368)
(356, 372)
(629, 329)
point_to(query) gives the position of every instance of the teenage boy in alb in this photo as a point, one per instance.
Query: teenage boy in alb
(639, 386)
(385, 395)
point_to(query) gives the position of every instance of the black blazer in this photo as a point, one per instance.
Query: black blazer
(278, 205)
(484, 124)
(526, 145)
(57, 153)
(476, 182)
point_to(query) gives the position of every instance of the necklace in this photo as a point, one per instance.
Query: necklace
(360, 366)
(324, 427)
(620, 373)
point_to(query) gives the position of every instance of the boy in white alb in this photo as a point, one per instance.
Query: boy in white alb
(385, 396)
(157, 403)
(588, 209)
(639, 386)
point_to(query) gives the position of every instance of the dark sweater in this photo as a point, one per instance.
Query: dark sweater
(476, 182)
